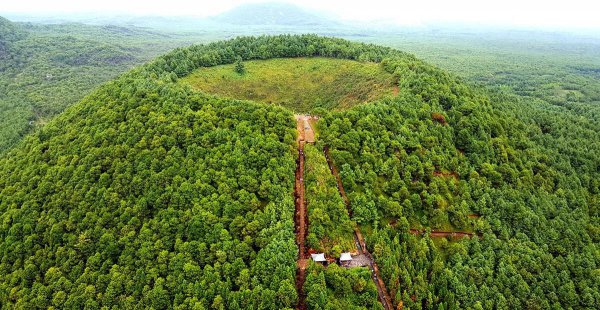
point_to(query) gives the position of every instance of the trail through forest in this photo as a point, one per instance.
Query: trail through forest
(438, 233)
(301, 216)
(384, 296)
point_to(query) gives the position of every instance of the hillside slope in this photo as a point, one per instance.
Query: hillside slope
(150, 194)
(46, 68)
(442, 156)
(146, 193)
(9, 33)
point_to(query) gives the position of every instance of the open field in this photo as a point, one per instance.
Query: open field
(297, 83)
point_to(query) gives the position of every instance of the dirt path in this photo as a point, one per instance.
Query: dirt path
(301, 220)
(305, 130)
(305, 135)
(338, 180)
(439, 233)
(382, 292)
(301, 214)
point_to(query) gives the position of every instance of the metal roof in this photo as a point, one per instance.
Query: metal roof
(319, 257)
(345, 257)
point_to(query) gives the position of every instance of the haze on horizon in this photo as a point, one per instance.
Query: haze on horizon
(549, 14)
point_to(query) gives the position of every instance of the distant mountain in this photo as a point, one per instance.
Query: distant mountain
(281, 14)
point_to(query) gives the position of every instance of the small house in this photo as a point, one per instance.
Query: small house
(345, 259)
(319, 258)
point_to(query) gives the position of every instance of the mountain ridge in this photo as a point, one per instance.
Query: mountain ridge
(275, 13)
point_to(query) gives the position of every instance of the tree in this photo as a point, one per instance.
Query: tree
(239, 66)
(287, 295)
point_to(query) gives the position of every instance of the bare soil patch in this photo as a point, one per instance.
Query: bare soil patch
(301, 217)
(444, 234)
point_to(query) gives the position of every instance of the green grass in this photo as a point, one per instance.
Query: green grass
(300, 84)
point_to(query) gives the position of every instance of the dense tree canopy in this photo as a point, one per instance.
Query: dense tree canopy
(46, 68)
(440, 151)
(335, 287)
(330, 229)
(148, 194)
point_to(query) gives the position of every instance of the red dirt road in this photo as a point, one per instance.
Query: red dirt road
(301, 221)
(443, 234)
(305, 135)
(301, 214)
(305, 130)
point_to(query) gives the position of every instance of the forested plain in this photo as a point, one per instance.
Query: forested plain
(148, 193)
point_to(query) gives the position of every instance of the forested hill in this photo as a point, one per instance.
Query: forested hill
(46, 68)
(150, 194)
(9, 33)
(9, 30)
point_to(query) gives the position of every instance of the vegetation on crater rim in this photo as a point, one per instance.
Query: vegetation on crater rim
(150, 194)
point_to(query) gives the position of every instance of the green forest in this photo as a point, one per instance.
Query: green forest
(46, 68)
(151, 192)
(335, 287)
(441, 151)
(330, 228)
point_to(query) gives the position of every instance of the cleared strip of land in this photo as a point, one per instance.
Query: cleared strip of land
(301, 216)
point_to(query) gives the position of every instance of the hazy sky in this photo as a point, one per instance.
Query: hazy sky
(528, 13)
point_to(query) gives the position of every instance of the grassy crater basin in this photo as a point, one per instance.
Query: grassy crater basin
(299, 84)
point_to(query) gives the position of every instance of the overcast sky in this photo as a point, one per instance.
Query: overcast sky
(583, 14)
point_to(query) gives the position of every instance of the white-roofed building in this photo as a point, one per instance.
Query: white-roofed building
(319, 257)
(345, 259)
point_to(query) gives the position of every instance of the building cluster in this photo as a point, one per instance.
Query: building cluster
(344, 260)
